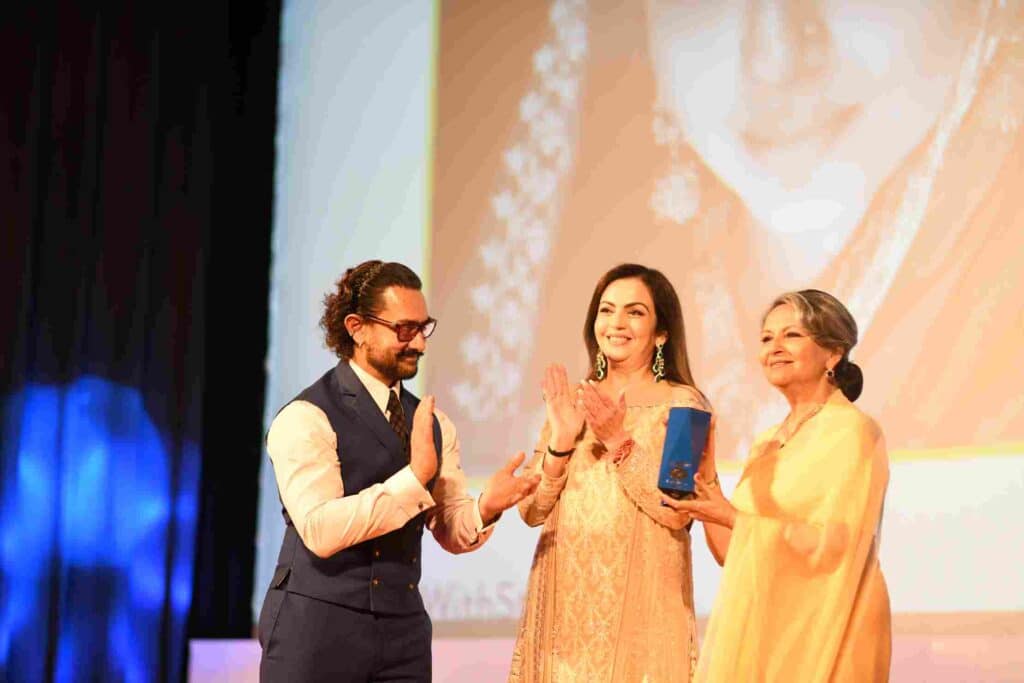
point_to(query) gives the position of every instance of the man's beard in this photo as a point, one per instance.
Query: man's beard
(390, 365)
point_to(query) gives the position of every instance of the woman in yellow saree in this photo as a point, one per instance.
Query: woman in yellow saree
(802, 596)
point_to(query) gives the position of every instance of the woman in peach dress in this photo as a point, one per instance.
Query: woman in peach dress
(610, 595)
(802, 597)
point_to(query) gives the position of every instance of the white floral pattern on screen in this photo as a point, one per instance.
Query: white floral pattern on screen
(676, 196)
(525, 208)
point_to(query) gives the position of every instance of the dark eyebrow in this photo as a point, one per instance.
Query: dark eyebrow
(631, 303)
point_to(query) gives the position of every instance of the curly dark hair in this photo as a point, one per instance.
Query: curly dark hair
(359, 291)
(667, 312)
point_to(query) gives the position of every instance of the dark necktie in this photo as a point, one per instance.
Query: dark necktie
(397, 419)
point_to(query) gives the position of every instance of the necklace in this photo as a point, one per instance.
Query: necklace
(782, 441)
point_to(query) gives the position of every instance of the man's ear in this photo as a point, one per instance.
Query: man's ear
(354, 327)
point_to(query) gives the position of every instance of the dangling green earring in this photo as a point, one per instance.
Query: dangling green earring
(600, 364)
(659, 363)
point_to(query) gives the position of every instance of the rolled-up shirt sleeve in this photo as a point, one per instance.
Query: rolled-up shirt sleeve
(455, 520)
(303, 450)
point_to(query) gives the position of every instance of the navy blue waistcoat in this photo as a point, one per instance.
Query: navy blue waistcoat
(382, 574)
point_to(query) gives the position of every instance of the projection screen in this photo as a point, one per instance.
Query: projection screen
(513, 152)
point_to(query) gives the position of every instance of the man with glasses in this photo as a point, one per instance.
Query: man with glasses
(362, 466)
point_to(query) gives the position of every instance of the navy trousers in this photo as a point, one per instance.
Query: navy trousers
(306, 640)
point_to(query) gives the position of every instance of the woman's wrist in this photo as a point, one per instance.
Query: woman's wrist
(561, 454)
(612, 444)
(560, 443)
(554, 467)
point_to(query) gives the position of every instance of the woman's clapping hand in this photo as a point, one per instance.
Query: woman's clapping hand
(564, 412)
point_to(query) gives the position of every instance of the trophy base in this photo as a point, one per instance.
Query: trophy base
(679, 495)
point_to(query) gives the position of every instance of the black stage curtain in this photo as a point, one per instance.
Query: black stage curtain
(135, 218)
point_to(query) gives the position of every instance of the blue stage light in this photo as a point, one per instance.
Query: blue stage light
(90, 488)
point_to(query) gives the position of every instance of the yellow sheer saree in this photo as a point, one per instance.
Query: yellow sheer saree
(802, 596)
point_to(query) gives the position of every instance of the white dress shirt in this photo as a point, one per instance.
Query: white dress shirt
(304, 451)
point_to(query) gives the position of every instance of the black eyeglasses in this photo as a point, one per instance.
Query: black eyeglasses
(407, 329)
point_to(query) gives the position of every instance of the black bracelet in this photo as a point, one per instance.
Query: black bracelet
(562, 454)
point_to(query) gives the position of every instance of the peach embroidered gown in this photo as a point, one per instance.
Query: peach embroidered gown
(610, 595)
(802, 596)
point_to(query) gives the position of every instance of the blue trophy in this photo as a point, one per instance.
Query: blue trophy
(685, 438)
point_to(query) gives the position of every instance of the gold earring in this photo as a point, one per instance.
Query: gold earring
(659, 363)
(600, 364)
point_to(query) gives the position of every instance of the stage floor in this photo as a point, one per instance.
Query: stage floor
(921, 656)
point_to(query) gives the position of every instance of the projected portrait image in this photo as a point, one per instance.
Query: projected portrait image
(743, 149)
